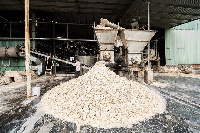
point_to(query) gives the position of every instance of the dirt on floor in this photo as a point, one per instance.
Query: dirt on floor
(181, 91)
(15, 92)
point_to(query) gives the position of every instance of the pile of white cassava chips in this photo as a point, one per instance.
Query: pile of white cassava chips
(101, 98)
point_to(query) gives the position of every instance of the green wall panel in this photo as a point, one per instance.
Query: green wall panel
(10, 43)
(16, 64)
(182, 46)
(193, 25)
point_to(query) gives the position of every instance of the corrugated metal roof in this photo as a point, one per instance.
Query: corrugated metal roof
(164, 13)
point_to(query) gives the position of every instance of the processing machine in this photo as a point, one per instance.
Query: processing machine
(133, 41)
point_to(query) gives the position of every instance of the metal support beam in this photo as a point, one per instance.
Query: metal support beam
(67, 35)
(148, 74)
(94, 32)
(156, 48)
(51, 23)
(33, 30)
(149, 41)
(54, 43)
(27, 48)
(10, 29)
(58, 39)
(67, 31)
(55, 69)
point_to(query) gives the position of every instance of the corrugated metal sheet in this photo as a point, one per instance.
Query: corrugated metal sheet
(182, 46)
(194, 25)
(164, 13)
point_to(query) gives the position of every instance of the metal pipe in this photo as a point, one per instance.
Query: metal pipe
(156, 48)
(10, 30)
(33, 30)
(67, 31)
(58, 39)
(149, 41)
(54, 43)
(112, 25)
(50, 23)
(94, 32)
(27, 48)
(67, 37)
(148, 16)
(55, 69)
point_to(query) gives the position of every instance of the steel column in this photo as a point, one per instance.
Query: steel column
(10, 29)
(67, 31)
(27, 48)
(149, 41)
(33, 30)
(54, 43)
(67, 35)
(94, 32)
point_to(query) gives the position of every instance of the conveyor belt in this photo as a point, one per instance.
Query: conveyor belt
(57, 59)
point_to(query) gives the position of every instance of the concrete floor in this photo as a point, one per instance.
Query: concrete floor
(181, 91)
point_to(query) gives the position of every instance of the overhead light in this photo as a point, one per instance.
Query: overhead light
(52, 21)
(59, 37)
(56, 22)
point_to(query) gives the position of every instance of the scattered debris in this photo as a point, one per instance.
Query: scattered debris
(5, 80)
(176, 69)
(168, 69)
(19, 76)
(101, 98)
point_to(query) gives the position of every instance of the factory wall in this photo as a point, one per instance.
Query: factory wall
(182, 44)
(11, 64)
(10, 43)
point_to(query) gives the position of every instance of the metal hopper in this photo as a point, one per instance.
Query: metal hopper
(106, 39)
(135, 41)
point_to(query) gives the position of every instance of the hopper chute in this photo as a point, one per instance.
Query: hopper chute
(106, 40)
(109, 35)
(135, 42)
